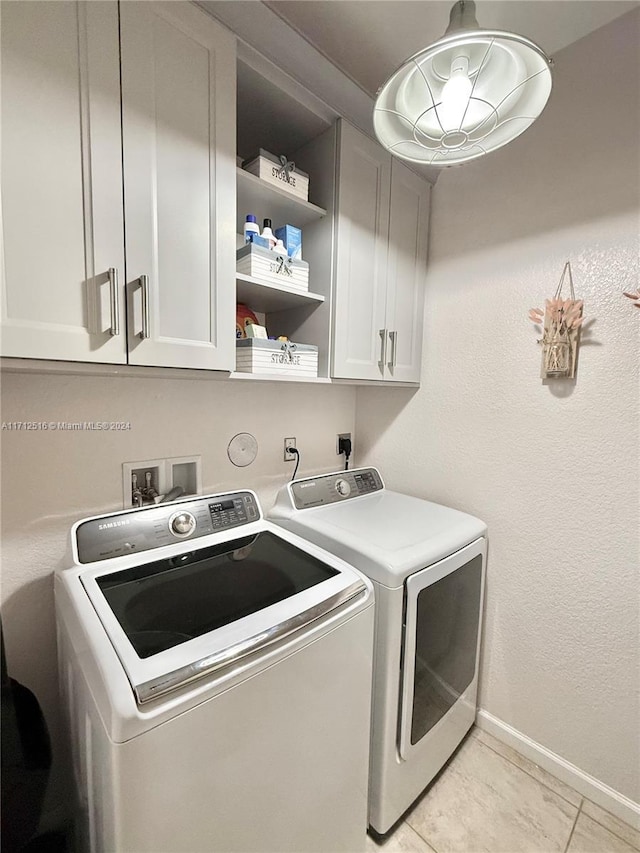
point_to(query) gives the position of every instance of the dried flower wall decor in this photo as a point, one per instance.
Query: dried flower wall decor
(560, 321)
(634, 296)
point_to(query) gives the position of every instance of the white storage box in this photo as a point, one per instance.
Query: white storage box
(271, 169)
(272, 268)
(257, 355)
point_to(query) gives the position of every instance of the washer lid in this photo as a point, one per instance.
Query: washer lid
(387, 535)
(174, 619)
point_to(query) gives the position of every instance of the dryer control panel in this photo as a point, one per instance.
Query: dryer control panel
(109, 536)
(333, 488)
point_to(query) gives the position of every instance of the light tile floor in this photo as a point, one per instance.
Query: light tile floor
(491, 799)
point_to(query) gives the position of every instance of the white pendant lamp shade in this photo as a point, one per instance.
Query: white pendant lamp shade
(466, 95)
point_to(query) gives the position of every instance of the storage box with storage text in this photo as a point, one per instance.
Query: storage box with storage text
(257, 355)
(267, 266)
(280, 172)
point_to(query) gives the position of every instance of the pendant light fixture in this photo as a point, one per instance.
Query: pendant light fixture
(467, 94)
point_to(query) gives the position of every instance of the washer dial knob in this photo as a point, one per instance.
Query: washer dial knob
(182, 524)
(343, 488)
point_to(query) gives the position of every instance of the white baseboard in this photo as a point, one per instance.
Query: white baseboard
(590, 787)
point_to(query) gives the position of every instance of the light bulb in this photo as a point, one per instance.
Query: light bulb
(455, 95)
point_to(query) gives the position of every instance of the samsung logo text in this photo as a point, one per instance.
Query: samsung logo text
(108, 524)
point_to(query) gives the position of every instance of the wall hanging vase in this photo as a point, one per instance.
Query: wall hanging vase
(635, 297)
(561, 321)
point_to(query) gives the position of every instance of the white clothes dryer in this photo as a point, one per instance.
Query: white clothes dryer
(427, 564)
(217, 676)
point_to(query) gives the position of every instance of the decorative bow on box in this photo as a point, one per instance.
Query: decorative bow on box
(282, 265)
(286, 168)
(288, 348)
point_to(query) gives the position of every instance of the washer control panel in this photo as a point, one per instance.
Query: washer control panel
(333, 488)
(182, 523)
(343, 488)
(110, 536)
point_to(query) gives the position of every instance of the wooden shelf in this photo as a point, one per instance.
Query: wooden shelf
(278, 377)
(268, 202)
(266, 297)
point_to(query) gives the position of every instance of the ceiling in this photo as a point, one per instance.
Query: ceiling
(339, 52)
(368, 39)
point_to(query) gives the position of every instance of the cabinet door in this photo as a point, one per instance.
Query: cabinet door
(408, 243)
(364, 175)
(61, 182)
(178, 95)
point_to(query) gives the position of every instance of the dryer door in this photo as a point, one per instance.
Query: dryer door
(441, 641)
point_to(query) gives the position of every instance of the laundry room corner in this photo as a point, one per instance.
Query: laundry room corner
(551, 467)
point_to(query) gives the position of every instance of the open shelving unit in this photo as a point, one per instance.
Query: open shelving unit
(266, 201)
(276, 114)
(266, 297)
(280, 377)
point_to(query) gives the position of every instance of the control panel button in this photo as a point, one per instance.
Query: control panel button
(343, 488)
(182, 524)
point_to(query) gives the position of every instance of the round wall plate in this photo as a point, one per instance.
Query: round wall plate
(242, 449)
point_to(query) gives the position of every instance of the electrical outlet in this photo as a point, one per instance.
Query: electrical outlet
(342, 435)
(288, 455)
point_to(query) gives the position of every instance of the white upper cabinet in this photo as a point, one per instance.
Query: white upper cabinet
(77, 106)
(406, 272)
(178, 109)
(380, 270)
(119, 199)
(62, 233)
(362, 233)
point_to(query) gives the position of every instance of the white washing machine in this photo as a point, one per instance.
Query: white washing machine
(217, 675)
(427, 563)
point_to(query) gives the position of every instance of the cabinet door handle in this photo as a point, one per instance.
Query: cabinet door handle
(393, 336)
(144, 293)
(383, 349)
(114, 304)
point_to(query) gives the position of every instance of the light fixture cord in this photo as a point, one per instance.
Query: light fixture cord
(462, 17)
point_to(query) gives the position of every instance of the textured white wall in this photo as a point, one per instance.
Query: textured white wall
(552, 468)
(51, 479)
